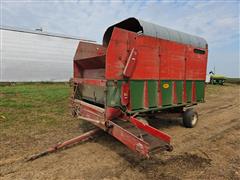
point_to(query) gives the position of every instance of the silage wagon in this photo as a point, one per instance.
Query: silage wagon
(141, 70)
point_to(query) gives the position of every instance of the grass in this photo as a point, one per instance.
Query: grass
(233, 80)
(34, 105)
(35, 116)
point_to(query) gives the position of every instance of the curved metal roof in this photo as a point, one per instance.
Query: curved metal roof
(150, 29)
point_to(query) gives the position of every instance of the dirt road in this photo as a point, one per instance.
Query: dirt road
(211, 150)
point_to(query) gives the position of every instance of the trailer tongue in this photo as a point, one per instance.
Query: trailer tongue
(137, 136)
(81, 138)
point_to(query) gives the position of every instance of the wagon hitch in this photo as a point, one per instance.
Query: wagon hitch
(84, 137)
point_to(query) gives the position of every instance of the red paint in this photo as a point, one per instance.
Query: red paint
(170, 65)
(88, 50)
(130, 140)
(125, 94)
(88, 56)
(131, 64)
(151, 130)
(112, 113)
(76, 72)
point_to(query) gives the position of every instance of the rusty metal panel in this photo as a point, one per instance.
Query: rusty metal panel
(89, 112)
(89, 61)
(93, 93)
(94, 73)
(91, 89)
(89, 50)
(117, 54)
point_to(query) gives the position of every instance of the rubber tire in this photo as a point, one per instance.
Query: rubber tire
(188, 118)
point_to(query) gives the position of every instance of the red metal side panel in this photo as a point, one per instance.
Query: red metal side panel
(89, 50)
(119, 48)
(131, 64)
(117, 53)
(76, 71)
(88, 56)
(172, 61)
(151, 130)
(131, 141)
(156, 58)
(196, 65)
(147, 66)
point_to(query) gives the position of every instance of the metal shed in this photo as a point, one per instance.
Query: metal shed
(36, 56)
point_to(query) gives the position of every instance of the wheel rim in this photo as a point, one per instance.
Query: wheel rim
(194, 120)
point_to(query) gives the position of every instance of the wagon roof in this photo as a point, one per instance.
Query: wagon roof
(150, 29)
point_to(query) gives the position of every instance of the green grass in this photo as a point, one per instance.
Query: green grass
(34, 105)
(233, 80)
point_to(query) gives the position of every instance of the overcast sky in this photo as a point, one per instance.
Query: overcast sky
(216, 21)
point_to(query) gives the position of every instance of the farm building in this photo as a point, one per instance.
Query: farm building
(36, 55)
